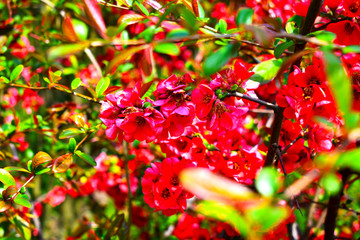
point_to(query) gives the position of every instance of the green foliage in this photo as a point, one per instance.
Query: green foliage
(6, 178)
(87, 158)
(167, 48)
(102, 85)
(267, 183)
(244, 16)
(266, 70)
(218, 59)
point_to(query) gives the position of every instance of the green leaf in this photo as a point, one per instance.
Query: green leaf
(64, 50)
(244, 16)
(16, 72)
(81, 29)
(351, 49)
(324, 35)
(70, 132)
(267, 217)
(349, 159)
(267, 70)
(34, 80)
(331, 183)
(177, 33)
(218, 59)
(102, 85)
(340, 85)
(23, 200)
(39, 171)
(267, 183)
(17, 169)
(87, 158)
(224, 213)
(6, 178)
(142, 8)
(280, 48)
(72, 145)
(75, 83)
(221, 26)
(22, 227)
(168, 48)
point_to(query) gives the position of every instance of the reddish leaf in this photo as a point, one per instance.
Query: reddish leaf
(64, 50)
(123, 56)
(40, 158)
(92, 10)
(4, 206)
(195, 6)
(78, 119)
(8, 192)
(112, 89)
(69, 30)
(62, 163)
(129, 19)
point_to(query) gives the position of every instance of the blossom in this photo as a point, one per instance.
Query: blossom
(204, 98)
(352, 8)
(161, 186)
(347, 32)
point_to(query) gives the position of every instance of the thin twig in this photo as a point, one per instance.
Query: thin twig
(256, 100)
(295, 140)
(130, 196)
(93, 61)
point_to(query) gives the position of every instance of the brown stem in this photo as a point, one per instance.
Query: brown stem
(275, 135)
(127, 175)
(256, 100)
(307, 26)
(333, 207)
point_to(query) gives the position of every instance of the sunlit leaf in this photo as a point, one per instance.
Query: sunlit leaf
(4, 206)
(22, 227)
(210, 186)
(6, 178)
(75, 83)
(64, 50)
(224, 213)
(16, 72)
(267, 70)
(62, 163)
(167, 48)
(102, 85)
(78, 119)
(70, 132)
(69, 29)
(87, 158)
(16, 169)
(23, 200)
(40, 158)
(267, 217)
(331, 183)
(267, 183)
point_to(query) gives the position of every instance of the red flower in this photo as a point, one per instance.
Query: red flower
(204, 98)
(162, 189)
(347, 32)
(352, 8)
(138, 126)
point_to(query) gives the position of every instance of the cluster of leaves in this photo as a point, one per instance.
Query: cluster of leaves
(143, 119)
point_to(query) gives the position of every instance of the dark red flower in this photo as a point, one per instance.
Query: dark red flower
(347, 32)
(352, 8)
(204, 98)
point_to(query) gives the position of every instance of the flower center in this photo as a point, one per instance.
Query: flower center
(354, 7)
(308, 92)
(236, 166)
(140, 121)
(174, 180)
(207, 98)
(355, 77)
(165, 193)
(314, 80)
(348, 28)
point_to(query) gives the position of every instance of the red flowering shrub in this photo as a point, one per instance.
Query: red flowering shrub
(179, 119)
